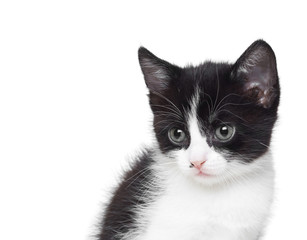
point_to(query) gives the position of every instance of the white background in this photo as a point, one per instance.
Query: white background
(73, 102)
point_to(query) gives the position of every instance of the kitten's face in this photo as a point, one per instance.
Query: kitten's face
(214, 120)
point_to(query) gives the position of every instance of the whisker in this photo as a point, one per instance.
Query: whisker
(218, 88)
(162, 113)
(137, 175)
(170, 116)
(169, 108)
(165, 98)
(228, 95)
(211, 101)
(170, 122)
(234, 104)
(224, 110)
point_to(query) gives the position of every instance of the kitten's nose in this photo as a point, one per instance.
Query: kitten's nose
(197, 164)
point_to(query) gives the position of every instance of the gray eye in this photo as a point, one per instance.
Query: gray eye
(176, 135)
(224, 132)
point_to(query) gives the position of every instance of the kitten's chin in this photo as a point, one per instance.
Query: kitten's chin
(211, 175)
(206, 178)
(203, 174)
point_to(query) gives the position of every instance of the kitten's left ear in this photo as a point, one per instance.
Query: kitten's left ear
(256, 71)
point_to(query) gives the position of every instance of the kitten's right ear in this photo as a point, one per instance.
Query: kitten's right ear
(158, 73)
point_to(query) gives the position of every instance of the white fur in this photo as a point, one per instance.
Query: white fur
(231, 204)
(191, 210)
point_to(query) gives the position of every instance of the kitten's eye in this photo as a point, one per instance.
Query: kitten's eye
(224, 132)
(176, 135)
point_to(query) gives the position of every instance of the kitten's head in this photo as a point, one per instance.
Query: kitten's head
(214, 120)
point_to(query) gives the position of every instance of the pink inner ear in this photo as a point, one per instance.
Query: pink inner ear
(265, 97)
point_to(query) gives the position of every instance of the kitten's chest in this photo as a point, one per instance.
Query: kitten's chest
(188, 211)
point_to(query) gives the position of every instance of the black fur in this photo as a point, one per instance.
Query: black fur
(119, 216)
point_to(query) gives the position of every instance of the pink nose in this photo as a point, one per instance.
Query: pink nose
(197, 164)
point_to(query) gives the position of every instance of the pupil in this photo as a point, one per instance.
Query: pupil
(224, 131)
(177, 133)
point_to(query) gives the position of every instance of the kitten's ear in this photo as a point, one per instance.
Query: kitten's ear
(256, 71)
(158, 73)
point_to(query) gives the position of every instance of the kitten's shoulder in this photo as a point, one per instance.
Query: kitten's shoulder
(120, 213)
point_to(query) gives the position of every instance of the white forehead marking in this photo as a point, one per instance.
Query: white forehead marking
(194, 129)
(199, 148)
(195, 133)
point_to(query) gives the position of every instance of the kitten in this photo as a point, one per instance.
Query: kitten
(209, 174)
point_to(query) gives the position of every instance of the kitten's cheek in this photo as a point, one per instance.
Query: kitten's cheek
(182, 160)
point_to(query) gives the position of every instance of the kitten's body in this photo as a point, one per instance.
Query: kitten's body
(169, 193)
(167, 206)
